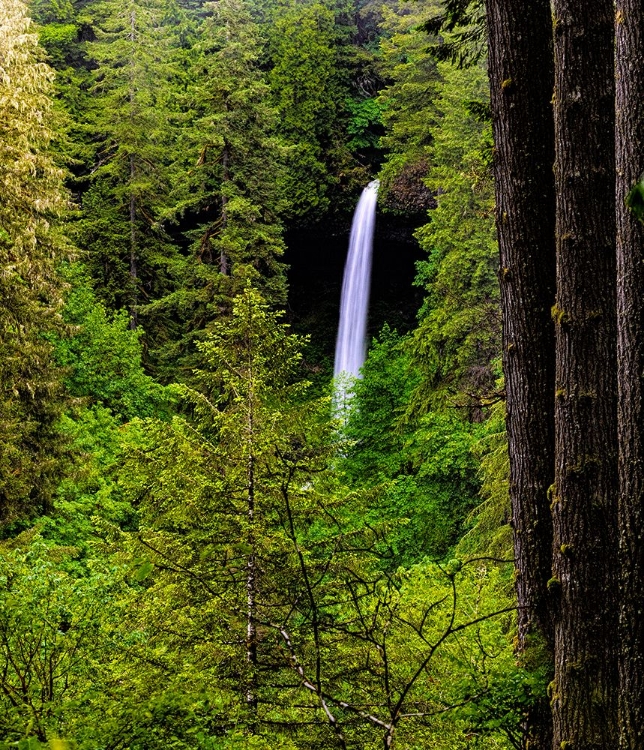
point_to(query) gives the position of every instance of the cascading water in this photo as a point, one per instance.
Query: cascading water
(350, 348)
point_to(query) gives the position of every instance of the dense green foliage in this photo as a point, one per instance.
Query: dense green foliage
(408, 109)
(197, 554)
(427, 470)
(33, 204)
(459, 332)
(233, 165)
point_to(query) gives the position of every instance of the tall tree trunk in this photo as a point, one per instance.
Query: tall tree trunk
(251, 560)
(251, 593)
(521, 80)
(133, 259)
(134, 317)
(584, 508)
(224, 265)
(629, 68)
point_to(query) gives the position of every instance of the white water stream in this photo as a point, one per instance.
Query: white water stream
(350, 349)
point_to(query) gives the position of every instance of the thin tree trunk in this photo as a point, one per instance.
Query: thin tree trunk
(629, 139)
(133, 259)
(251, 561)
(584, 508)
(251, 593)
(134, 317)
(521, 80)
(224, 266)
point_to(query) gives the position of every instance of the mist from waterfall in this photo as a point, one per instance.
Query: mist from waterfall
(350, 350)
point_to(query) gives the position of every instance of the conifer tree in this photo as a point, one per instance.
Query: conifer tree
(33, 202)
(233, 167)
(577, 609)
(409, 111)
(62, 28)
(584, 496)
(223, 484)
(458, 335)
(309, 95)
(521, 80)
(129, 251)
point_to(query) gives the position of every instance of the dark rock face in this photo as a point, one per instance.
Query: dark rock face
(407, 192)
(316, 258)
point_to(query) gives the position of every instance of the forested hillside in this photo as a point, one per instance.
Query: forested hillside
(198, 550)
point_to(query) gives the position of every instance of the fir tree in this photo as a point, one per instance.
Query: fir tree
(629, 138)
(584, 493)
(309, 94)
(130, 253)
(233, 168)
(62, 29)
(521, 90)
(224, 484)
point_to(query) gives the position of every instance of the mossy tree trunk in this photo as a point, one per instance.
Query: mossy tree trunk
(521, 80)
(629, 67)
(584, 507)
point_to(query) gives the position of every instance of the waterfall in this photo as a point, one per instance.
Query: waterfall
(350, 348)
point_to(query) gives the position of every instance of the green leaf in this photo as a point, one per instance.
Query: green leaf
(144, 571)
(635, 199)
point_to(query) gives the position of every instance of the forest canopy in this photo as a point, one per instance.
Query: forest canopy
(198, 549)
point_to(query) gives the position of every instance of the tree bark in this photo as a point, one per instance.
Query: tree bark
(251, 560)
(629, 110)
(224, 263)
(584, 507)
(521, 80)
(134, 317)
(251, 593)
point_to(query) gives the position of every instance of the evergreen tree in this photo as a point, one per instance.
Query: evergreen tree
(309, 94)
(133, 121)
(233, 168)
(225, 488)
(63, 27)
(457, 338)
(33, 202)
(102, 359)
(521, 86)
(409, 110)
(584, 496)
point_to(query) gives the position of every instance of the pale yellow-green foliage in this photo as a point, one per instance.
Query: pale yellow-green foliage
(32, 203)
(31, 183)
